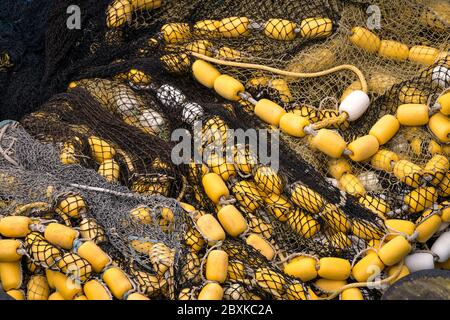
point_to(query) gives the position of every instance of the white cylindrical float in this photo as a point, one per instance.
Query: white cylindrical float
(440, 76)
(419, 261)
(441, 247)
(355, 104)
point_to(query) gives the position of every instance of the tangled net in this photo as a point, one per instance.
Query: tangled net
(354, 200)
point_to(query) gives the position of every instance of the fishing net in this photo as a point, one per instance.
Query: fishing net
(412, 83)
(114, 96)
(129, 152)
(391, 76)
(287, 227)
(299, 233)
(381, 71)
(255, 187)
(251, 278)
(37, 185)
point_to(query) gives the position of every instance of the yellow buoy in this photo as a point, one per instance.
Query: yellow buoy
(234, 27)
(394, 251)
(280, 29)
(205, 73)
(334, 268)
(303, 268)
(217, 266)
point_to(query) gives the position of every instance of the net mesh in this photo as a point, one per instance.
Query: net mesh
(33, 184)
(106, 100)
(129, 152)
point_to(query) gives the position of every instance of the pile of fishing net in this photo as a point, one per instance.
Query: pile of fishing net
(138, 173)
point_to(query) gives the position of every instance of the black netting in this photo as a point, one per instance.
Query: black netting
(101, 108)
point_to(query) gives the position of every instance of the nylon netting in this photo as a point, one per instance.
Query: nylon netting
(36, 184)
(142, 157)
(106, 99)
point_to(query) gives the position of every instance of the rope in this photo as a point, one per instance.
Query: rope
(226, 200)
(116, 193)
(41, 206)
(366, 284)
(327, 122)
(348, 67)
(294, 255)
(4, 152)
(436, 107)
(327, 99)
(184, 184)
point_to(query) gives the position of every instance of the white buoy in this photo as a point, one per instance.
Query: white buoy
(441, 247)
(191, 112)
(419, 261)
(370, 181)
(152, 120)
(440, 76)
(170, 96)
(355, 104)
(127, 104)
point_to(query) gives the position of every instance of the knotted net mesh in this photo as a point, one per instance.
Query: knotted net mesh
(110, 98)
